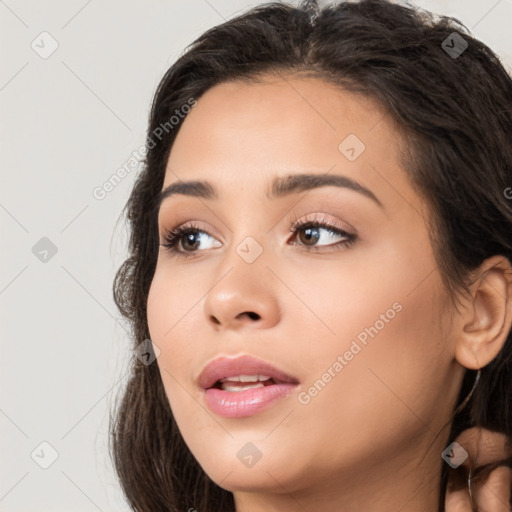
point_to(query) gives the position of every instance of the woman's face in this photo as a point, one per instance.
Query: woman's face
(360, 320)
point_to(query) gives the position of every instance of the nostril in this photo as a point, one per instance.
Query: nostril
(251, 314)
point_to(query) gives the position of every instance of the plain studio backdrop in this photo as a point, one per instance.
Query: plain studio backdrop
(76, 82)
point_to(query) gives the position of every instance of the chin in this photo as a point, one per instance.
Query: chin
(249, 480)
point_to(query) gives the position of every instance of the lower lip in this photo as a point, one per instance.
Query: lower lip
(240, 404)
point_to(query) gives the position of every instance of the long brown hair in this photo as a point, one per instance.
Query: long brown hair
(454, 113)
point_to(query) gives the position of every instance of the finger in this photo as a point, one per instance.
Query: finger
(492, 494)
(458, 501)
(457, 494)
(483, 446)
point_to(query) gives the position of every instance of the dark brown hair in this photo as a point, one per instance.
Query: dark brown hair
(454, 115)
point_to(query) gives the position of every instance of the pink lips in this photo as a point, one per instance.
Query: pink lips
(239, 404)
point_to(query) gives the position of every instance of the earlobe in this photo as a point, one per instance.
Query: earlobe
(485, 323)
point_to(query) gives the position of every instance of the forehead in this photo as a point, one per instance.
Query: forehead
(244, 134)
(291, 115)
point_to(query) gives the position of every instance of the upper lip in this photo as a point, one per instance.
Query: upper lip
(224, 367)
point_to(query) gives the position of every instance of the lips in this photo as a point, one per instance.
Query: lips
(225, 368)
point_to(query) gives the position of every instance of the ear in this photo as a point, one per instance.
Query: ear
(484, 323)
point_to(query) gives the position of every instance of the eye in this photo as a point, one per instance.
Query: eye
(187, 239)
(314, 234)
(317, 233)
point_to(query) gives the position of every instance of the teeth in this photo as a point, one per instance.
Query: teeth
(227, 387)
(246, 378)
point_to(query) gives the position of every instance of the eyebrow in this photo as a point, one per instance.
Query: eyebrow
(281, 187)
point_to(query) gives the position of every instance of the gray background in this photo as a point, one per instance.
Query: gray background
(69, 121)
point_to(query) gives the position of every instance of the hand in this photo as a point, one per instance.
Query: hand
(490, 482)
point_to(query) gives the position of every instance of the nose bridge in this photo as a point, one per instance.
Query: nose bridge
(250, 250)
(243, 293)
(248, 237)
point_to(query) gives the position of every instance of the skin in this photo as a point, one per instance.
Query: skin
(368, 436)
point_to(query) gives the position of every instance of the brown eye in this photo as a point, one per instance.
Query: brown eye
(309, 236)
(189, 241)
(311, 233)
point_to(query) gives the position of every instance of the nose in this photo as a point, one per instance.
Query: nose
(242, 298)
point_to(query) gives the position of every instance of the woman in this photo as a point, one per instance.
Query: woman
(320, 256)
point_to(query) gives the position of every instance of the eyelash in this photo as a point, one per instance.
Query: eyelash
(173, 236)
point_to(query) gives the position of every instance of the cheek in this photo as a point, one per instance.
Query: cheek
(384, 358)
(388, 356)
(173, 296)
(171, 301)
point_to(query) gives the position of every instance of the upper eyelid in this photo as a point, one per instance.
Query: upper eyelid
(192, 225)
(313, 218)
(325, 222)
